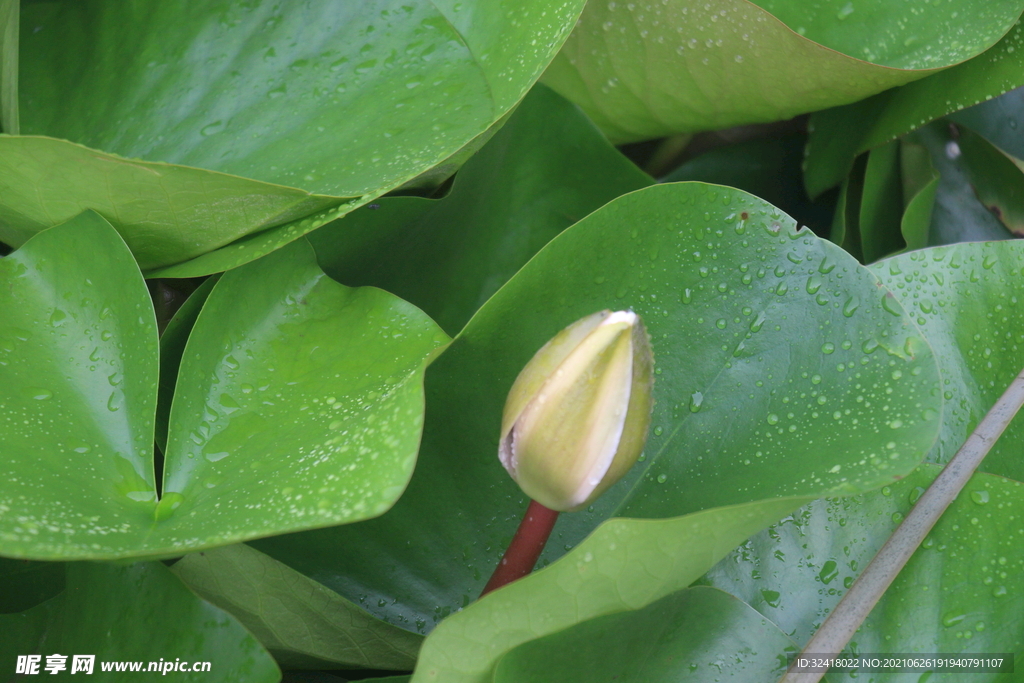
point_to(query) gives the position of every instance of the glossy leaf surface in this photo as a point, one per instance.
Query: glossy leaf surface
(544, 170)
(626, 564)
(336, 98)
(966, 298)
(302, 623)
(162, 211)
(755, 326)
(312, 389)
(960, 592)
(651, 68)
(78, 349)
(137, 613)
(693, 634)
(838, 135)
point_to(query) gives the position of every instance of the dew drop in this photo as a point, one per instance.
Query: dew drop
(951, 619)
(890, 305)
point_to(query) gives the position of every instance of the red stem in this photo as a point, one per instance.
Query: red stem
(525, 548)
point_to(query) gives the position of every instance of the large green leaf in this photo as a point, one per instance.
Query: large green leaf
(626, 564)
(302, 623)
(695, 634)
(960, 593)
(136, 613)
(654, 67)
(546, 169)
(966, 298)
(774, 352)
(839, 135)
(340, 99)
(299, 403)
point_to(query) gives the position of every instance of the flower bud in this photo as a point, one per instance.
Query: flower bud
(576, 418)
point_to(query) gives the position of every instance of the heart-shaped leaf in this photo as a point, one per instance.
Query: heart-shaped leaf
(650, 68)
(134, 615)
(340, 99)
(839, 135)
(543, 171)
(302, 623)
(771, 349)
(299, 402)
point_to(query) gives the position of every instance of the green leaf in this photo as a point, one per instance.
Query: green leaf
(626, 564)
(920, 182)
(9, 21)
(965, 298)
(960, 592)
(302, 623)
(162, 211)
(839, 135)
(312, 389)
(997, 121)
(881, 206)
(957, 214)
(649, 68)
(25, 584)
(765, 168)
(689, 635)
(228, 93)
(846, 218)
(546, 169)
(135, 613)
(763, 337)
(172, 347)
(996, 178)
(78, 373)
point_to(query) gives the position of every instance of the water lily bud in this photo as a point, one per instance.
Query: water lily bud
(576, 418)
